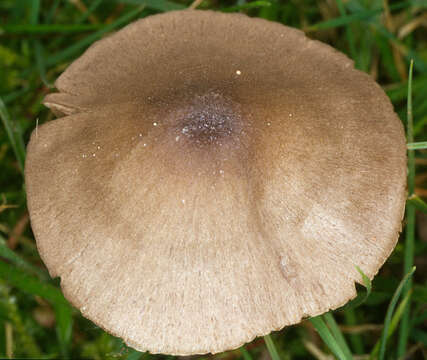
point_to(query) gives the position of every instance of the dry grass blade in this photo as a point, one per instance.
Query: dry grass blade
(411, 26)
(195, 4)
(359, 329)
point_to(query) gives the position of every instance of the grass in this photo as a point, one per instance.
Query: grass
(39, 39)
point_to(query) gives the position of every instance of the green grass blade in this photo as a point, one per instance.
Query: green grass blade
(390, 310)
(408, 259)
(344, 20)
(51, 13)
(419, 62)
(10, 255)
(93, 6)
(12, 96)
(271, 347)
(399, 312)
(251, 5)
(356, 340)
(417, 145)
(348, 32)
(46, 29)
(357, 16)
(328, 338)
(16, 277)
(245, 353)
(34, 11)
(421, 123)
(337, 334)
(400, 92)
(418, 203)
(14, 136)
(38, 48)
(365, 54)
(40, 61)
(64, 327)
(160, 5)
(393, 324)
(78, 46)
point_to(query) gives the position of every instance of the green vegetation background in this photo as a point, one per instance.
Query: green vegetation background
(40, 38)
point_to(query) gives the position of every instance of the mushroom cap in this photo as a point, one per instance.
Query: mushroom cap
(215, 178)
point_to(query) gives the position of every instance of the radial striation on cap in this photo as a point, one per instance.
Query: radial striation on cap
(213, 178)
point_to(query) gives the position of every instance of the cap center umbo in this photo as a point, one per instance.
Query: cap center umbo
(210, 120)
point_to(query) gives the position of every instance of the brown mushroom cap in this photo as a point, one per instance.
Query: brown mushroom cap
(216, 177)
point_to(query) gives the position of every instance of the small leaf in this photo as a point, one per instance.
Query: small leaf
(366, 282)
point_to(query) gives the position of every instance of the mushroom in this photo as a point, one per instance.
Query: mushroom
(213, 178)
